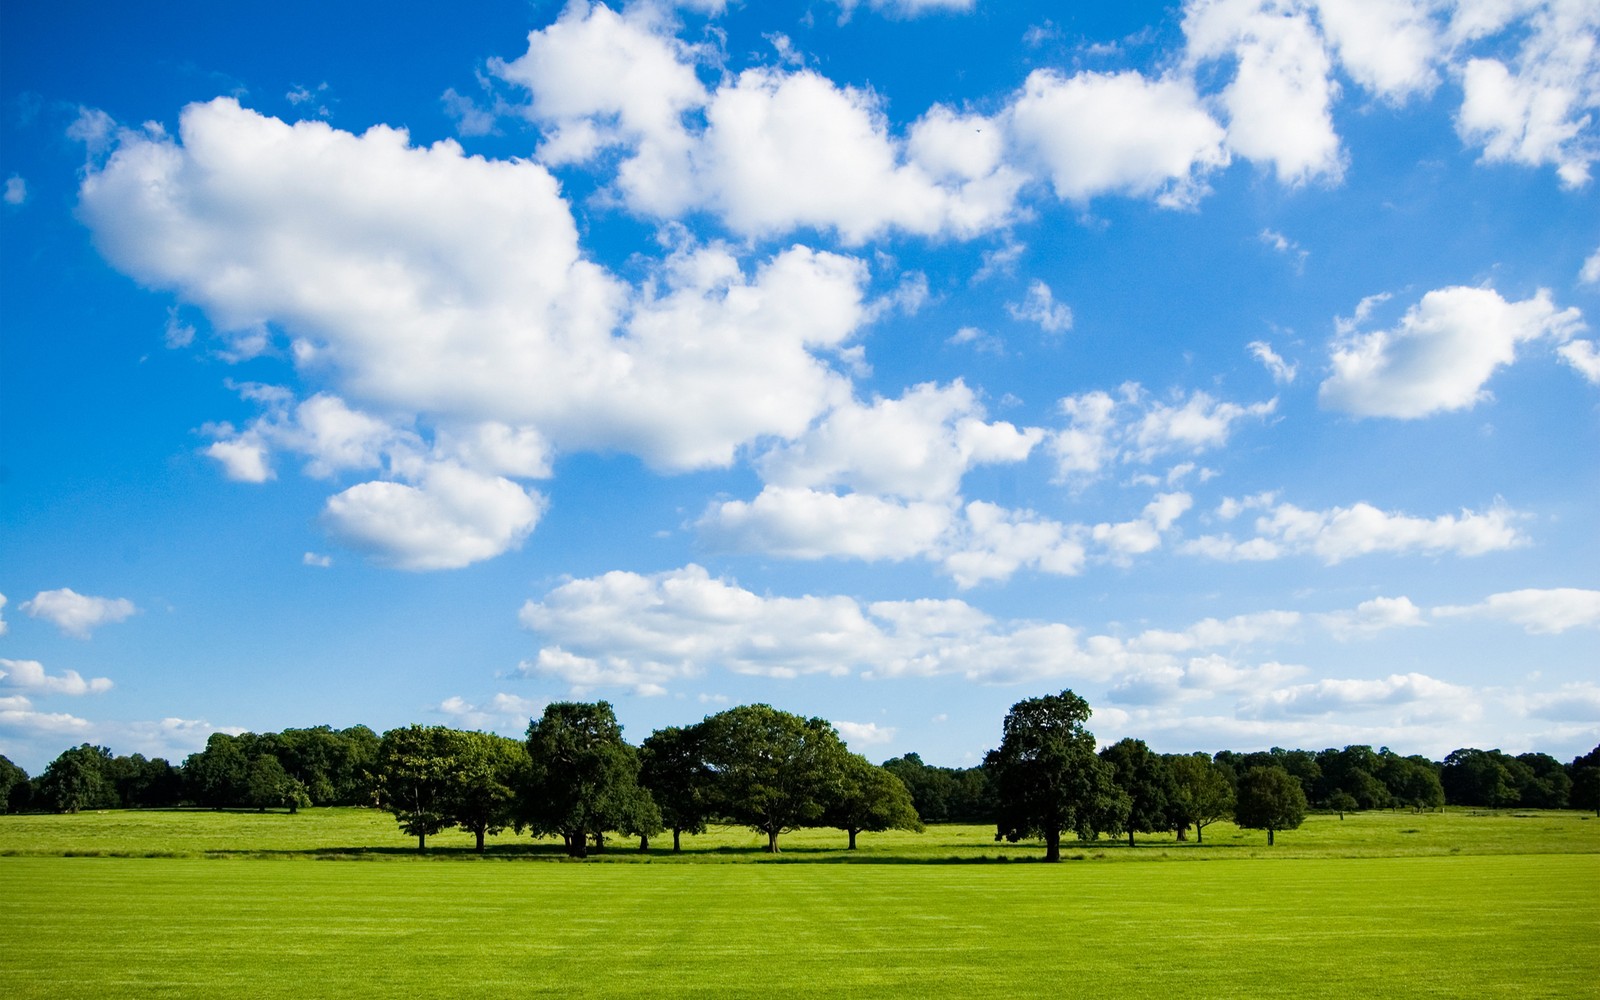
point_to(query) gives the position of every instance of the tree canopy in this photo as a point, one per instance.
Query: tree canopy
(1270, 799)
(773, 771)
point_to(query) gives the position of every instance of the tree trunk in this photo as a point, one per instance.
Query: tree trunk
(599, 841)
(644, 842)
(1183, 834)
(1269, 836)
(852, 839)
(422, 842)
(1197, 837)
(677, 842)
(479, 831)
(1130, 836)
(772, 841)
(1052, 845)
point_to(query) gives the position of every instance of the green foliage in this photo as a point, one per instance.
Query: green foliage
(1149, 783)
(1270, 799)
(77, 780)
(945, 794)
(673, 769)
(12, 777)
(1047, 777)
(774, 771)
(583, 778)
(486, 771)
(416, 779)
(1202, 794)
(870, 799)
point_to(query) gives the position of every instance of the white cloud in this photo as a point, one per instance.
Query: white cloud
(242, 460)
(918, 446)
(1376, 615)
(1041, 307)
(865, 734)
(77, 614)
(992, 543)
(316, 559)
(1282, 371)
(3, 625)
(1341, 533)
(906, 8)
(1538, 611)
(29, 675)
(1420, 696)
(1103, 430)
(801, 523)
(1540, 109)
(1096, 134)
(1440, 356)
(503, 712)
(451, 518)
(1279, 101)
(17, 715)
(1575, 702)
(1590, 274)
(1389, 47)
(1584, 358)
(16, 190)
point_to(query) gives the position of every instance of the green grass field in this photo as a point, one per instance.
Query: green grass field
(1445, 905)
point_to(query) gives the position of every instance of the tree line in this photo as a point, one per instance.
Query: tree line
(575, 777)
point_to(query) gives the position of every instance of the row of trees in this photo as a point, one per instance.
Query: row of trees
(574, 776)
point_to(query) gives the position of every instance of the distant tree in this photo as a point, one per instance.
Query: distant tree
(870, 800)
(1585, 771)
(1149, 783)
(269, 786)
(1202, 793)
(1342, 802)
(1545, 784)
(76, 780)
(1353, 771)
(416, 779)
(487, 772)
(1411, 781)
(12, 777)
(931, 788)
(1270, 799)
(1047, 777)
(1473, 777)
(216, 776)
(774, 771)
(145, 784)
(672, 766)
(583, 778)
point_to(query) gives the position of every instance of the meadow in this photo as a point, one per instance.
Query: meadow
(1379, 904)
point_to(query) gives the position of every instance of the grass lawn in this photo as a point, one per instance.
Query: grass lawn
(1486, 926)
(186, 903)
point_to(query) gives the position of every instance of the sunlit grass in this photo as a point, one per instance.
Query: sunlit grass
(1485, 926)
(371, 834)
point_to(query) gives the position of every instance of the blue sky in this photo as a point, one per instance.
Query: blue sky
(1232, 363)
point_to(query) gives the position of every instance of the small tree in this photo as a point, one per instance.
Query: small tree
(1202, 794)
(1047, 777)
(488, 771)
(1269, 799)
(11, 777)
(672, 766)
(416, 768)
(1148, 782)
(774, 771)
(76, 780)
(268, 785)
(583, 779)
(871, 800)
(1342, 802)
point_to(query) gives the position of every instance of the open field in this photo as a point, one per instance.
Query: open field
(1379, 904)
(1509, 926)
(369, 833)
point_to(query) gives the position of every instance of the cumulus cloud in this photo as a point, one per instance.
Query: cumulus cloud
(77, 614)
(1538, 611)
(501, 712)
(1095, 134)
(16, 191)
(1133, 427)
(1376, 615)
(1279, 101)
(1040, 306)
(1441, 354)
(30, 676)
(1539, 108)
(1341, 533)
(865, 734)
(1389, 47)
(18, 716)
(1575, 702)
(800, 523)
(1583, 357)
(1417, 695)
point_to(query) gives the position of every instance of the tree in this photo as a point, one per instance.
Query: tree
(1342, 802)
(1411, 781)
(583, 778)
(11, 778)
(1547, 785)
(1047, 777)
(415, 779)
(76, 780)
(1270, 799)
(1202, 794)
(774, 771)
(870, 799)
(268, 785)
(672, 766)
(1586, 781)
(216, 776)
(488, 770)
(1147, 780)
(1473, 777)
